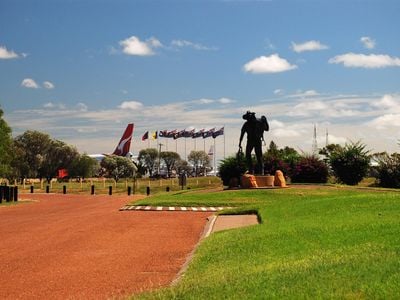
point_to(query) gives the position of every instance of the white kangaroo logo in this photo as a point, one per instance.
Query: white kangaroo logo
(121, 145)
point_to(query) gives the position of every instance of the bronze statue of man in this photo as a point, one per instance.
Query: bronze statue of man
(255, 136)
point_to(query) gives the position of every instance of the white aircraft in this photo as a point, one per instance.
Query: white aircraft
(123, 146)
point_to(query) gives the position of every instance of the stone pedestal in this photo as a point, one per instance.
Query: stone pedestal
(258, 181)
(263, 181)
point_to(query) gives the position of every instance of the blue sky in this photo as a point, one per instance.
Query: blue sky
(81, 70)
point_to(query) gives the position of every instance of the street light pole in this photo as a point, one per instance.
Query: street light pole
(159, 157)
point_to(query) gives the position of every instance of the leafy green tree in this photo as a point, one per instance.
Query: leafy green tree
(5, 147)
(31, 148)
(200, 161)
(280, 159)
(182, 165)
(148, 159)
(388, 169)
(59, 155)
(170, 158)
(350, 164)
(118, 167)
(83, 166)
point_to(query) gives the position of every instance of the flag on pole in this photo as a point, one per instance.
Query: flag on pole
(179, 134)
(171, 134)
(218, 132)
(163, 133)
(198, 134)
(188, 133)
(154, 135)
(208, 133)
(145, 136)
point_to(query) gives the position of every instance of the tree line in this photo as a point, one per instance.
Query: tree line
(34, 154)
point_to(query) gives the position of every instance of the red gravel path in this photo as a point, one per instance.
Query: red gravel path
(82, 247)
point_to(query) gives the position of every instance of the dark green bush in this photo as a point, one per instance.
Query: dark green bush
(310, 169)
(388, 170)
(231, 169)
(284, 159)
(350, 164)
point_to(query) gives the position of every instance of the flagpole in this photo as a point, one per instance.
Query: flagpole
(214, 156)
(224, 141)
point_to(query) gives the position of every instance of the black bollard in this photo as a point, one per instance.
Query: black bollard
(167, 189)
(110, 190)
(15, 193)
(64, 189)
(11, 191)
(47, 189)
(7, 193)
(92, 190)
(31, 189)
(148, 190)
(129, 190)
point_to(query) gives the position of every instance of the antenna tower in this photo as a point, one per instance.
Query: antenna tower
(314, 144)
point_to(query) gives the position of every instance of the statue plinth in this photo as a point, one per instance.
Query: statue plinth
(248, 181)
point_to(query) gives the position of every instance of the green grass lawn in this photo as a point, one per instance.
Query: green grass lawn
(324, 242)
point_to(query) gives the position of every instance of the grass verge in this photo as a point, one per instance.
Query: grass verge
(322, 242)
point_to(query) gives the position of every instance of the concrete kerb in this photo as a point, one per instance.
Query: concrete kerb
(206, 232)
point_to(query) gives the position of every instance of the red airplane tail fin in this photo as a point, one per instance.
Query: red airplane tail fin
(125, 142)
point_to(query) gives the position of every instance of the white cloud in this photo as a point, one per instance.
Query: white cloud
(301, 94)
(29, 83)
(386, 121)
(388, 102)
(371, 61)
(154, 43)
(307, 108)
(285, 132)
(51, 105)
(268, 64)
(134, 46)
(308, 46)
(279, 92)
(226, 101)
(48, 85)
(368, 42)
(209, 101)
(131, 105)
(196, 46)
(203, 101)
(81, 106)
(7, 54)
(332, 139)
(276, 124)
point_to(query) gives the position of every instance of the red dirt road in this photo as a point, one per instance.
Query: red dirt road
(82, 247)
